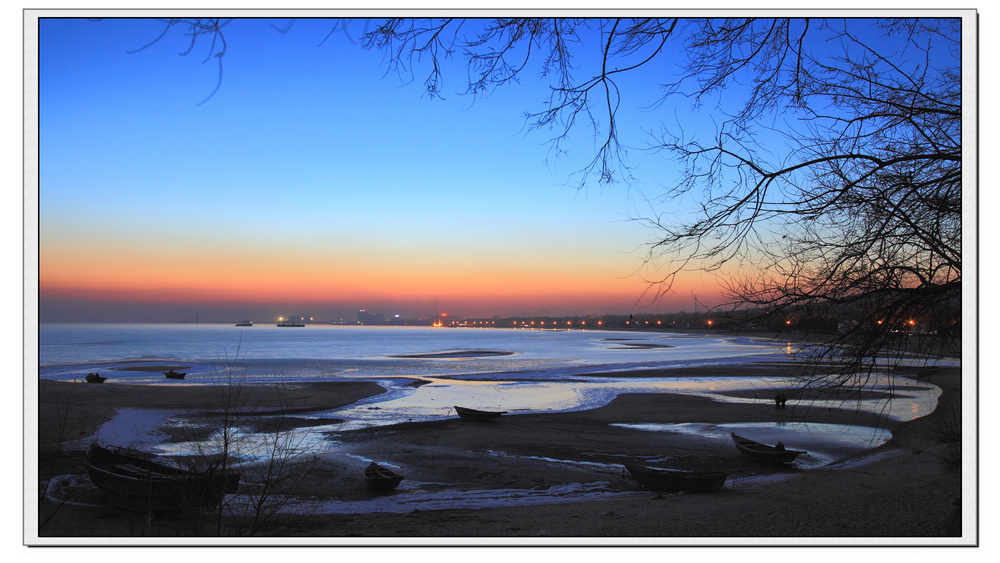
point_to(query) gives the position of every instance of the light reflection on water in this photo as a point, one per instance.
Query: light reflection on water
(825, 443)
(436, 399)
(546, 372)
(320, 351)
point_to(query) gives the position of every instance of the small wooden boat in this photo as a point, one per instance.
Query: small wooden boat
(678, 480)
(130, 480)
(95, 378)
(764, 453)
(380, 478)
(474, 414)
(174, 375)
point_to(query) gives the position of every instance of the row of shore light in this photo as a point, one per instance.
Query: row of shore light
(557, 324)
(547, 324)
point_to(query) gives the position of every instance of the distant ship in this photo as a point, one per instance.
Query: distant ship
(245, 323)
(290, 323)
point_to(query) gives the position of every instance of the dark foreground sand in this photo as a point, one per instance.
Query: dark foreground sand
(908, 494)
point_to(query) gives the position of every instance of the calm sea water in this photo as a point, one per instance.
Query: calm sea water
(516, 370)
(323, 352)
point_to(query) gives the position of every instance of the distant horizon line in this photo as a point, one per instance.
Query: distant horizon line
(399, 320)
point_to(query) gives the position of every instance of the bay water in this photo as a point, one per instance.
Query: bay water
(517, 370)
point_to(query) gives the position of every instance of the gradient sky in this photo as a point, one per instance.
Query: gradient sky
(311, 183)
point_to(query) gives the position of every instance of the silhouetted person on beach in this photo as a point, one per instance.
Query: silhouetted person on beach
(779, 401)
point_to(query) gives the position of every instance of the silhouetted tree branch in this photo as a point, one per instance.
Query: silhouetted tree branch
(831, 184)
(830, 180)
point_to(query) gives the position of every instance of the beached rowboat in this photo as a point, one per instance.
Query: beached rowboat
(130, 480)
(381, 479)
(764, 453)
(174, 375)
(678, 480)
(474, 414)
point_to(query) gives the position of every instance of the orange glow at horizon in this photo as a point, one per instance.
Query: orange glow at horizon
(134, 273)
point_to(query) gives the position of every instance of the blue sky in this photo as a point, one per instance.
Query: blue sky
(309, 159)
(314, 179)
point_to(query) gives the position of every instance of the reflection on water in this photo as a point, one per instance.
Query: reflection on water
(824, 443)
(379, 347)
(436, 399)
(544, 372)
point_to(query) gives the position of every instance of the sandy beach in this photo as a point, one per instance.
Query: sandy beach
(906, 491)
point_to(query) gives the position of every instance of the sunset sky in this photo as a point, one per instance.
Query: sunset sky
(312, 182)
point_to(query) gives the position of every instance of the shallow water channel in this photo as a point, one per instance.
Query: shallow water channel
(825, 443)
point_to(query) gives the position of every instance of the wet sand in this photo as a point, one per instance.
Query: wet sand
(906, 489)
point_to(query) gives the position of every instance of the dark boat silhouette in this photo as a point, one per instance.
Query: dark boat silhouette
(678, 480)
(762, 452)
(380, 478)
(130, 480)
(475, 414)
